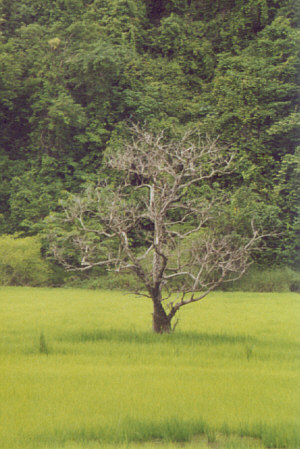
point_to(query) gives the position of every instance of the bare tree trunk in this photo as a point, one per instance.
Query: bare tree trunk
(161, 322)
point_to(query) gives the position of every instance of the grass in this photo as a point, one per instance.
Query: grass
(81, 369)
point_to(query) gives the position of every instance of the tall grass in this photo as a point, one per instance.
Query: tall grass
(81, 369)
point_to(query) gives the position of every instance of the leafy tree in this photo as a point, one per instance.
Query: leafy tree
(158, 221)
(21, 262)
(253, 103)
(38, 188)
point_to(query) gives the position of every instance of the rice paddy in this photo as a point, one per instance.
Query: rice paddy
(82, 369)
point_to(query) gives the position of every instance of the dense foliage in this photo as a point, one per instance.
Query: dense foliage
(21, 262)
(74, 72)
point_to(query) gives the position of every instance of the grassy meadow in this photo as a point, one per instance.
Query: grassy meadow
(81, 369)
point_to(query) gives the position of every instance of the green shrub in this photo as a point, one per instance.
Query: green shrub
(273, 280)
(104, 281)
(255, 280)
(21, 262)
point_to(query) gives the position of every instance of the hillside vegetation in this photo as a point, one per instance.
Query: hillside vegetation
(74, 73)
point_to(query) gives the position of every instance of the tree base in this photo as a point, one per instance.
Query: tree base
(161, 324)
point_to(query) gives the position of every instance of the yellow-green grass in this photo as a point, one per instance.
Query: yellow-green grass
(82, 369)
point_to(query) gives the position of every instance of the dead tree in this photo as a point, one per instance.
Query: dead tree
(154, 221)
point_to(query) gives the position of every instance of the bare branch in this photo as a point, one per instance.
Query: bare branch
(149, 225)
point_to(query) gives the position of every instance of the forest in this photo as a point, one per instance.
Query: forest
(74, 74)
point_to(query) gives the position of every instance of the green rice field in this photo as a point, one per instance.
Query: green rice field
(82, 369)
